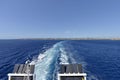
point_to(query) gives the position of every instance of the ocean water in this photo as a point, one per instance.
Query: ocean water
(100, 58)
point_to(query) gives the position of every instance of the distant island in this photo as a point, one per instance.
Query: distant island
(72, 38)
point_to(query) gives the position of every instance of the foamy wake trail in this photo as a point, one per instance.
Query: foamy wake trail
(45, 65)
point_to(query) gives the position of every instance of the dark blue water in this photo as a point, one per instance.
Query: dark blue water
(100, 58)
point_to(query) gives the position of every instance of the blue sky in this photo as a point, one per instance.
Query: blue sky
(59, 18)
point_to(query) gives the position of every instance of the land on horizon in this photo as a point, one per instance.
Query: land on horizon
(65, 39)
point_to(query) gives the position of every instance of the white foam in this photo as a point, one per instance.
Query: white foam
(45, 64)
(63, 57)
(39, 59)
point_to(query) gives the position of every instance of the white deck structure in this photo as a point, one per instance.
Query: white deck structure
(67, 72)
(71, 72)
(22, 72)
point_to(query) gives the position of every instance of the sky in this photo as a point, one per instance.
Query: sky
(59, 18)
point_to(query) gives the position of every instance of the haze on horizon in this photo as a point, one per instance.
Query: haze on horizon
(59, 18)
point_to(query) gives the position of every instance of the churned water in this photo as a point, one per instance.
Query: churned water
(100, 58)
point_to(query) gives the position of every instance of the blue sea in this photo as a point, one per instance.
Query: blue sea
(100, 58)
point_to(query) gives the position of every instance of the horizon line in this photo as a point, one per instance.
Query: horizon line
(87, 38)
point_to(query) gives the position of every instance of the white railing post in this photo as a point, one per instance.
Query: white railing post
(9, 77)
(58, 77)
(84, 77)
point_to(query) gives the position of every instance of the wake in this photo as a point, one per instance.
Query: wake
(47, 63)
(46, 66)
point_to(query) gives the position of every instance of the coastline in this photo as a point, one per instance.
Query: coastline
(63, 39)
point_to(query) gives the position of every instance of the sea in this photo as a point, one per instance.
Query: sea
(100, 59)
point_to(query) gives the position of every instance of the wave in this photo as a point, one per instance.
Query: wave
(47, 63)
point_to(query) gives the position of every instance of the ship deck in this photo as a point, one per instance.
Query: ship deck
(67, 72)
(71, 72)
(21, 71)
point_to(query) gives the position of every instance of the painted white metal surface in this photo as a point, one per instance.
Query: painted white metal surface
(85, 78)
(73, 74)
(19, 74)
